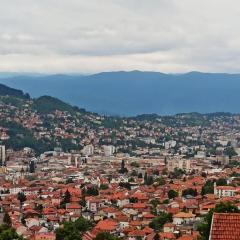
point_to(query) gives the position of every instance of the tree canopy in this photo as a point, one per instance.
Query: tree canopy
(8, 233)
(106, 236)
(158, 222)
(172, 194)
(73, 230)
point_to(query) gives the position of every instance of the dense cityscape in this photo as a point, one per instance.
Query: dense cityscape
(67, 173)
(119, 120)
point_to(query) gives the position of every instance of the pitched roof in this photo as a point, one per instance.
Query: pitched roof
(184, 215)
(137, 233)
(186, 237)
(107, 225)
(167, 235)
(225, 226)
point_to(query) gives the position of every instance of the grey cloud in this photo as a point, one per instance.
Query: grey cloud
(160, 35)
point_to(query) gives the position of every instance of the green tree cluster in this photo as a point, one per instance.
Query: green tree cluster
(148, 180)
(8, 233)
(221, 182)
(158, 222)
(208, 188)
(189, 191)
(172, 194)
(73, 230)
(106, 236)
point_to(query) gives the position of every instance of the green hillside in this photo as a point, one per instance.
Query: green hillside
(7, 91)
(47, 104)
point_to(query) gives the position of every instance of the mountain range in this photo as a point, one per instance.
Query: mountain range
(136, 92)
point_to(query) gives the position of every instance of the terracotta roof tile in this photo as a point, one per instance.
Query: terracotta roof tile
(225, 226)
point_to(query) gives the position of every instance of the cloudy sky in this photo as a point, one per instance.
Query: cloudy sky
(87, 36)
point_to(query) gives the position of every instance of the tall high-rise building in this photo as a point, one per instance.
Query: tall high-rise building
(2, 155)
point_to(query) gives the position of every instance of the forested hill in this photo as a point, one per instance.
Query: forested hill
(7, 91)
(134, 93)
(35, 123)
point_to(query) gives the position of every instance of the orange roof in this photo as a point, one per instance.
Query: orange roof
(73, 206)
(169, 225)
(148, 230)
(139, 205)
(225, 226)
(137, 233)
(107, 225)
(167, 235)
(184, 215)
(225, 188)
(148, 215)
(186, 237)
(135, 223)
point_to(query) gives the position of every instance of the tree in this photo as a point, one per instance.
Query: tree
(208, 188)
(39, 208)
(134, 173)
(135, 164)
(21, 197)
(140, 175)
(131, 179)
(83, 224)
(158, 222)
(177, 173)
(8, 233)
(92, 191)
(172, 194)
(230, 152)
(125, 185)
(67, 197)
(103, 186)
(69, 180)
(166, 201)
(7, 220)
(155, 202)
(123, 168)
(133, 200)
(205, 226)
(204, 175)
(189, 191)
(161, 181)
(67, 233)
(145, 178)
(165, 161)
(32, 166)
(164, 171)
(156, 237)
(221, 182)
(148, 180)
(73, 230)
(106, 236)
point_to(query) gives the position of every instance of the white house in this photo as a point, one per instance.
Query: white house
(183, 218)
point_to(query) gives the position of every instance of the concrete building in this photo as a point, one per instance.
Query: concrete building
(184, 164)
(224, 191)
(88, 150)
(170, 144)
(108, 150)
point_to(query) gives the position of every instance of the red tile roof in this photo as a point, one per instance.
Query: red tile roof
(137, 233)
(225, 226)
(186, 237)
(107, 225)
